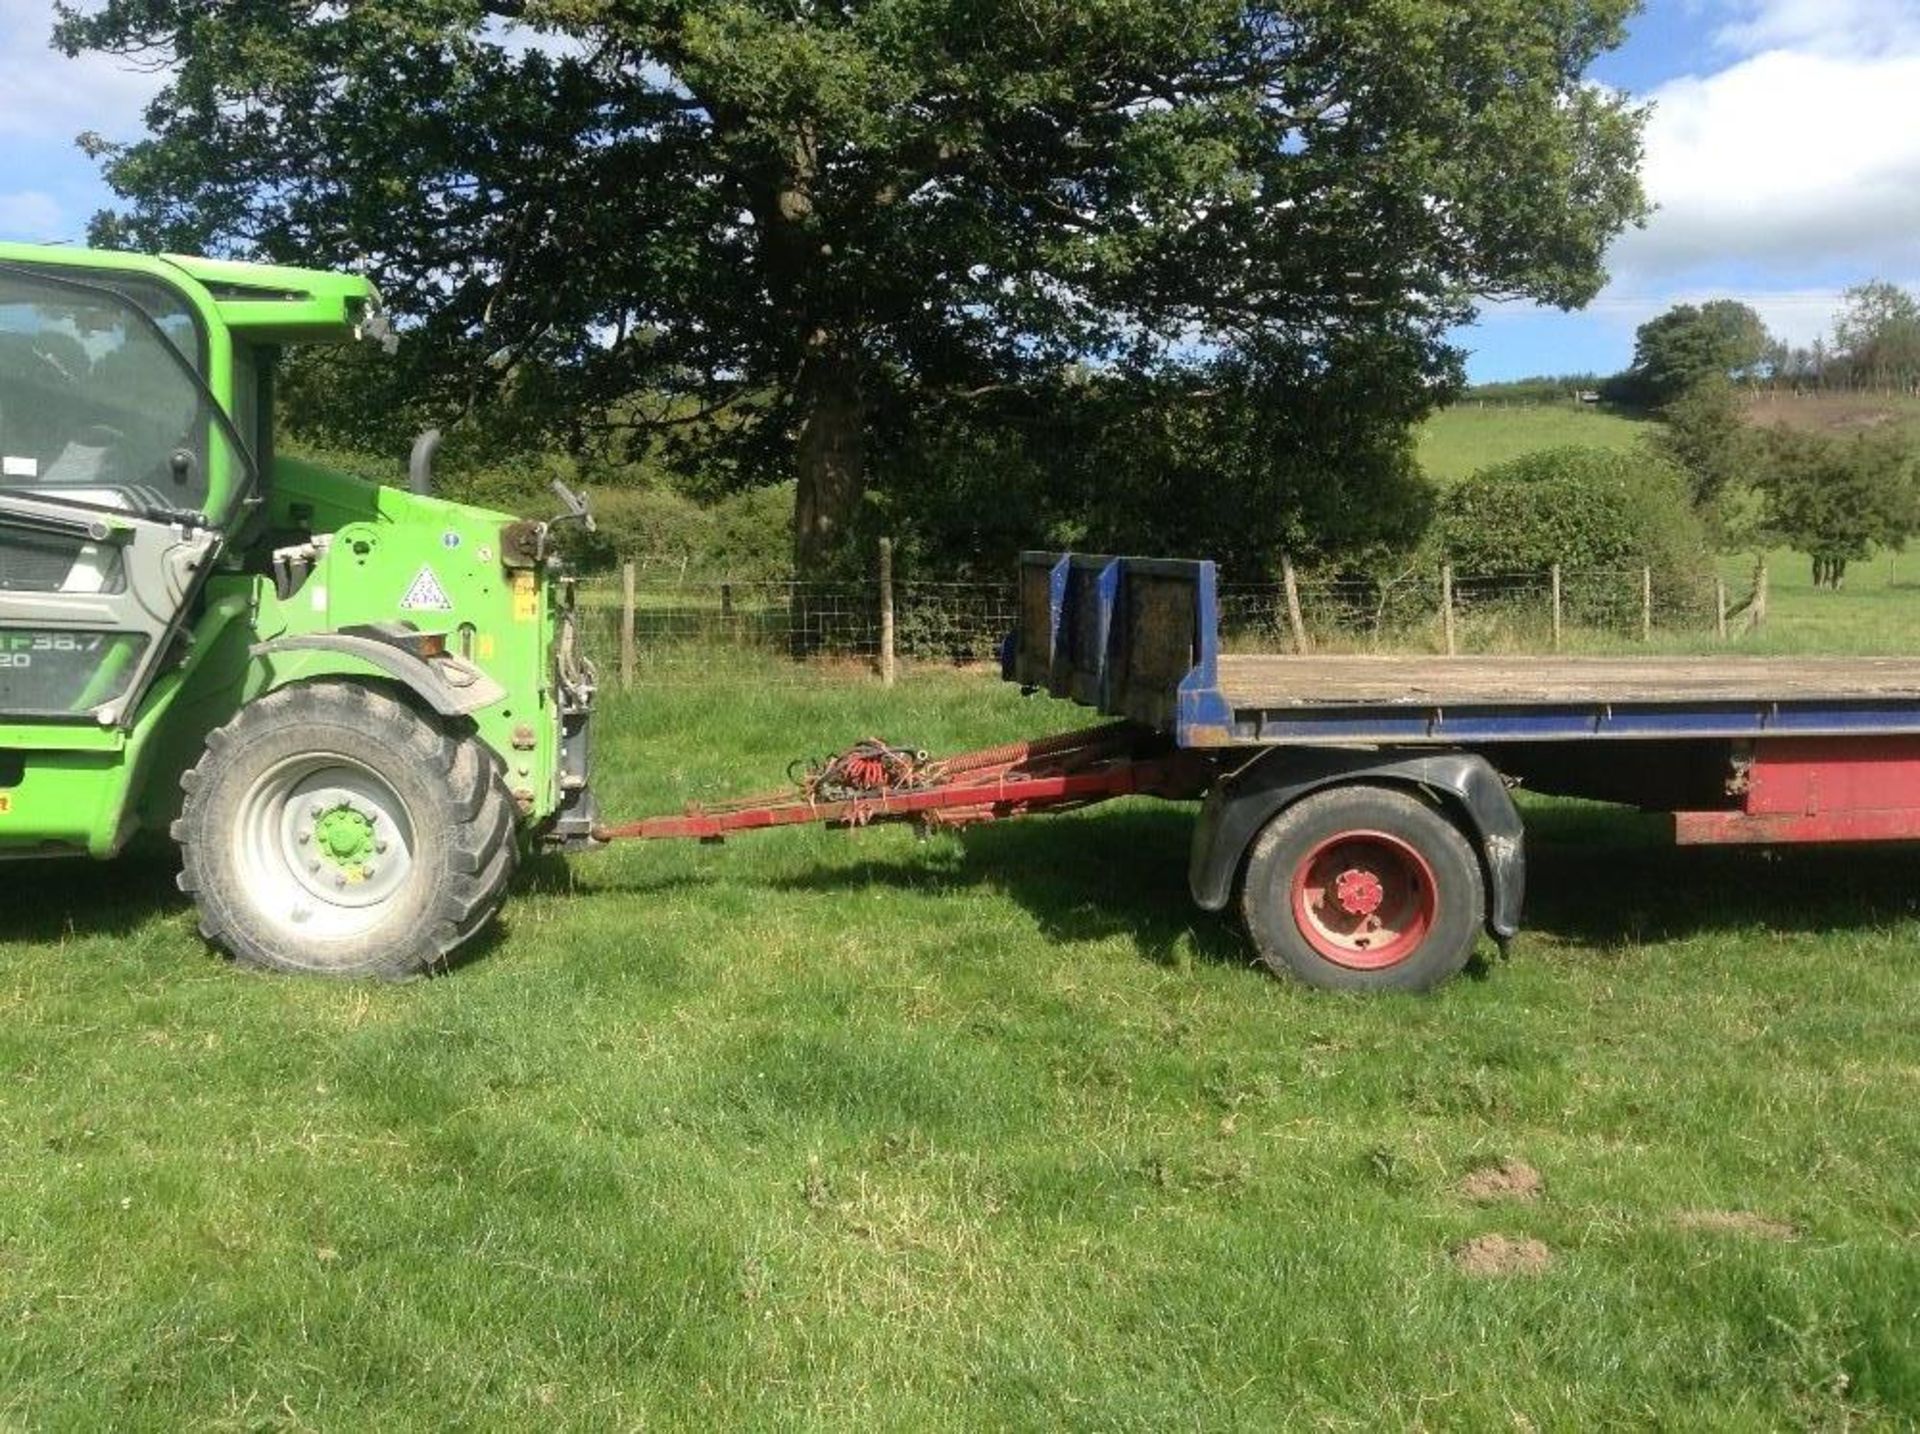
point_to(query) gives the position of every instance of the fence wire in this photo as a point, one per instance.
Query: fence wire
(683, 626)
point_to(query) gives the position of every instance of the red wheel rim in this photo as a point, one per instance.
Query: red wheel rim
(1364, 900)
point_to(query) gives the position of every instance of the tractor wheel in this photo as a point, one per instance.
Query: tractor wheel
(1363, 888)
(333, 830)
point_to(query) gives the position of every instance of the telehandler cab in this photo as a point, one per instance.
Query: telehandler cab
(352, 706)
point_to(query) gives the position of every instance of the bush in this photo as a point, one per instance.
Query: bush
(1587, 509)
(746, 536)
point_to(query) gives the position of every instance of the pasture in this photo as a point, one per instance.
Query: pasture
(993, 1131)
(1458, 441)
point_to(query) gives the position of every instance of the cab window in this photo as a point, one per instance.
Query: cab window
(98, 407)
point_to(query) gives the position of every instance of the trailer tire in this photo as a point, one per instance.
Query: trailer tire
(1363, 888)
(330, 829)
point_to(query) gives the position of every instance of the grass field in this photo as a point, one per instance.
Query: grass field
(825, 1129)
(1458, 441)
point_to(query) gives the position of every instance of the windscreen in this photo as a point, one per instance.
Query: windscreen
(101, 405)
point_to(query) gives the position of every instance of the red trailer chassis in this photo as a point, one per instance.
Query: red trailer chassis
(1815, 789)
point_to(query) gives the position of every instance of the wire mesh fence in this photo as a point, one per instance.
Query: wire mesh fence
(654, 622)
(1428, 610)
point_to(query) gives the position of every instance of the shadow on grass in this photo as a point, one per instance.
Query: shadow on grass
(75, 898)
(1607, 877)
(1121, 872)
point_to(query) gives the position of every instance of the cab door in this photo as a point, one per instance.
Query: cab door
(110, 445)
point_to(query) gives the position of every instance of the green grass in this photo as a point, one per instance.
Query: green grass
(827, 1129)
(1876, 612)
(1458, 441)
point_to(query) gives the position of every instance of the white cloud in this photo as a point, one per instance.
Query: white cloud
(45, 98)
(31, 216)
(1785, 162)
(1828, 27)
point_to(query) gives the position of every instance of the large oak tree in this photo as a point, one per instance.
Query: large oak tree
(835, 206)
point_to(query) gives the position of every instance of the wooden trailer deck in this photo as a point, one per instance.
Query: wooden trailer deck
(1139, 638)
(1267, 681)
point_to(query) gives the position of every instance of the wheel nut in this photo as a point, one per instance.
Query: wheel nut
(340, 880)
(316, 811)
(368, 870)
(380, 847)
(306, 836)
(313, 866)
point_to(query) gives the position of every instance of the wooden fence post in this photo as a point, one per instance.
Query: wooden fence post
(1556, 607)
(1646, 604)
(627, 654)
(1720, 608)
(1301, 642)
(1446, 605)
(1757, 612)
(886, 611)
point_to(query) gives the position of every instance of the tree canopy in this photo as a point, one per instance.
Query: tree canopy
(1878, 333)
(1838, 499)
(814, 214)
(1691, 344)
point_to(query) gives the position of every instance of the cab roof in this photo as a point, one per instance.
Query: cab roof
(264, 303)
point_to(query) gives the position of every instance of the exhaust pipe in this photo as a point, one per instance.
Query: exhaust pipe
(420, 464)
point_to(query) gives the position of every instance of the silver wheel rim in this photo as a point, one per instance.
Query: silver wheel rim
(324, 845)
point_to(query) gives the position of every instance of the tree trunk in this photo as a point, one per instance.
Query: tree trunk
(832, 460)
(831, 471)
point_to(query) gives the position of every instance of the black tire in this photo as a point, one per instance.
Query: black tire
(420, 810)
(1322, 873)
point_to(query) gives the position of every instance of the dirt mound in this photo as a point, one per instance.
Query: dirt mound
(1501, 1255)
(1509, 1180)
(1735, 1222)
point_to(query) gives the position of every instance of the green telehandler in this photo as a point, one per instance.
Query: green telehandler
(352, 706)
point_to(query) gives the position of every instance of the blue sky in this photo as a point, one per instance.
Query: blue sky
(1783, 151)
(1784, 154)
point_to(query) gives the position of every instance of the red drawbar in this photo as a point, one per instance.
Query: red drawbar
(1071, 770)
(1818, 789)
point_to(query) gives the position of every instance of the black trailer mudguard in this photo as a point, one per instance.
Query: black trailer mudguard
(1243, 802)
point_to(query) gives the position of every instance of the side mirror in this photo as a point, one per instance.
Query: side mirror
(420, 463)
(576, 508)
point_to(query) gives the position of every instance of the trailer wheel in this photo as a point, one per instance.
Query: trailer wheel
(331, 829)
(1363, 888)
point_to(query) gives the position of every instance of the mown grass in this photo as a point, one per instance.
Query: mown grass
(826, 1129)
(1462, 440)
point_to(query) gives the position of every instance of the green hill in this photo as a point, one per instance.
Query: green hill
(1459, 440)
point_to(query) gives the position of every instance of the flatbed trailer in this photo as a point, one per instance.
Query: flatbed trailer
(1359, 808)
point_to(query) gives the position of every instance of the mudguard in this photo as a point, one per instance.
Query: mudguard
(446, 684)
(1245, 801)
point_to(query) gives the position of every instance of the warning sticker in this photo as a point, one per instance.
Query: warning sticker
(6, 804)
(526, 598)
(425, 593)
(12, 467)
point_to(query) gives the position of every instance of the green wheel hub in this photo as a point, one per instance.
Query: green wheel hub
(345, 837)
